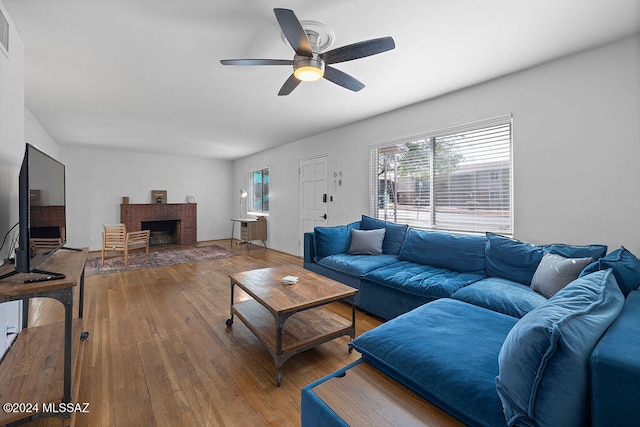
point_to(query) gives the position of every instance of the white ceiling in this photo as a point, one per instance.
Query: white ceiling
(145, 75)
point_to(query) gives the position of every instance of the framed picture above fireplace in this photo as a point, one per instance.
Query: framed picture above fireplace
(158, 196)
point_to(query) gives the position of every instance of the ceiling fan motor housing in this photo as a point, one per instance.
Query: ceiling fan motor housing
(308, 68)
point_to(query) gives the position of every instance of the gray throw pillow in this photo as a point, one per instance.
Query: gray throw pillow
(555, 272)
(367, 242)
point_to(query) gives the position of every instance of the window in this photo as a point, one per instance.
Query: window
(458, 179)
(259, 195)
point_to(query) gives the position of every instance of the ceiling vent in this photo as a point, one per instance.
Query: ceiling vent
(4, 32)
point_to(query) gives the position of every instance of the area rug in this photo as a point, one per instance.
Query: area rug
(156, 259)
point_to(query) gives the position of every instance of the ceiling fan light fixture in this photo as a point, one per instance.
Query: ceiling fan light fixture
(308, 74)
(308, 69)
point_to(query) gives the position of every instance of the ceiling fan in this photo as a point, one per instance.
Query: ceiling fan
(308, 63)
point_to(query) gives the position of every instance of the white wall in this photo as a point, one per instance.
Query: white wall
(576, 150)
(97, 179)
(11, 152)
(35, 135)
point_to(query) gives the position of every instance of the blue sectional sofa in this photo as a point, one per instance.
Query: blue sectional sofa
(494, 331)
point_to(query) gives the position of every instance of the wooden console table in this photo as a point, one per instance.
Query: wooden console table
(38, 368)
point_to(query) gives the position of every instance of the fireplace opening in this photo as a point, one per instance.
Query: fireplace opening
(163, 232)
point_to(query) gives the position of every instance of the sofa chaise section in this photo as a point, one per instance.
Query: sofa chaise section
(446, 351)
(491, 369)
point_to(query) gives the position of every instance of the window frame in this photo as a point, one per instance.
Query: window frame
(263, 197)
(420, 154)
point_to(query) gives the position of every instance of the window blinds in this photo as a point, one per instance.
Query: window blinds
(457, 179)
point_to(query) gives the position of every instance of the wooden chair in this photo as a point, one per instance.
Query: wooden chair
(116, 238)
(136, 240)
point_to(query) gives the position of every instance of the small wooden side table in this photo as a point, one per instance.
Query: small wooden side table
(250, 229)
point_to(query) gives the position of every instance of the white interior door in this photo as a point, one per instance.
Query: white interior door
(313, 184)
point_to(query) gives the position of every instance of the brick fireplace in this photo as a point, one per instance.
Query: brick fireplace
(183, 214)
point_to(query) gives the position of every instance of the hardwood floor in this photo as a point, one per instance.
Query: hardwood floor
(159, 352)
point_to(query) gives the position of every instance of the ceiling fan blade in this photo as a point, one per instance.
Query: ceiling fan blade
(358, 50)
(256, 62)
(342, 79)
(288, 86)
(293, 31)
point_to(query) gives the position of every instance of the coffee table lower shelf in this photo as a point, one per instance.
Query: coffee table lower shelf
(303, 329)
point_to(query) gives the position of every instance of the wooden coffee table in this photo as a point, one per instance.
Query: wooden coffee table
(308, 323)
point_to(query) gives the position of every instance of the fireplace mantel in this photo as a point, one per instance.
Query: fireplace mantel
(132, 215)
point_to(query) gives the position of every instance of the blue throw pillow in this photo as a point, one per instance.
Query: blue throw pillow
(333, 240)
(543, 375)
(626, 269)
(512, 259)
(460, 253)
(394, 236)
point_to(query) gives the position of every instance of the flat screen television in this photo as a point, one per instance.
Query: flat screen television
(41, 209)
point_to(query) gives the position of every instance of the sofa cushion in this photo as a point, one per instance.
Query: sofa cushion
(511, 259)
(454, 252)
(394, 236)
(356, 265)
(544, 361)
(516, 260)
(555, 272)
(501, 295)
(421, 280)
(626, 269)
(366, 242)
(446, 351)
(333, 240)
(573, 251)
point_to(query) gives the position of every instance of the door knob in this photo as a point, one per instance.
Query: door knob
(323, 216)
